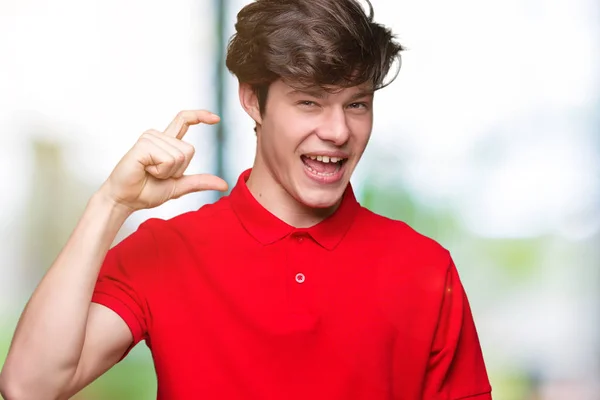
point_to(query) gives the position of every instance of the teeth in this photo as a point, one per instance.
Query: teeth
(326, 159)
(320, 173)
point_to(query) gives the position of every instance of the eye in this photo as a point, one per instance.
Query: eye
(358, 105)
(307, 103)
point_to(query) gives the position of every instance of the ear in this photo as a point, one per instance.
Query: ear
(249, 102)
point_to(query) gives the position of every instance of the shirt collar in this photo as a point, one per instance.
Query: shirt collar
(267, 228)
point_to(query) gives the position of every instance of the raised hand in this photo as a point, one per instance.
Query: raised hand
(152, 171)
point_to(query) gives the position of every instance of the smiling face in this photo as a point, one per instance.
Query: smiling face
(308, 144)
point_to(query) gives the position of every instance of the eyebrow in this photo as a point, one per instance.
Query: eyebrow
(362, 93)
(320, 94)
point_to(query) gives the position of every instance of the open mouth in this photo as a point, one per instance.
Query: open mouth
(324, 166)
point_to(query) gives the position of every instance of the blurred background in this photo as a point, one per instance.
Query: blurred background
(488, 141)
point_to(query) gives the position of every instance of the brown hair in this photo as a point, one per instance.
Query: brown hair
(310, 43)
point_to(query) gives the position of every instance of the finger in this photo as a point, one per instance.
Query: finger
(156, 161)
(182, 146)
(164, 144)
(187, 149)
(182, 152)
(196, 183)
(179, 126)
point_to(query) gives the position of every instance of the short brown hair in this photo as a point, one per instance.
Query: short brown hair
(310, 43)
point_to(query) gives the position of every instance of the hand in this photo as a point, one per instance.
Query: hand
(152, 172)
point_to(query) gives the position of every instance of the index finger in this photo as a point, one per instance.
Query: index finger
(184, 119)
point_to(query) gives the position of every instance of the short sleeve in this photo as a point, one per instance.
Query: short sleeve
(456, 368)
(124, 279)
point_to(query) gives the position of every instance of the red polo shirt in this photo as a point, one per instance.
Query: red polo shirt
(236, 304)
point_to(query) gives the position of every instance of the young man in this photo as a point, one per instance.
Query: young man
(285, 289)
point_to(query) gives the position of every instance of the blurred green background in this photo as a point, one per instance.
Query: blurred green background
(488, 141)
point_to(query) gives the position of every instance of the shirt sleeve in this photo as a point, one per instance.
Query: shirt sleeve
(456, 368)
(124, 279)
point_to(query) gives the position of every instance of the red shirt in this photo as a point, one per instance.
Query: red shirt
(236, 304)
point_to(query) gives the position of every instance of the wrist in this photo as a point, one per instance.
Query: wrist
(107, 205)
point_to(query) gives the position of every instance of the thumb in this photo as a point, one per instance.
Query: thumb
(196, 183)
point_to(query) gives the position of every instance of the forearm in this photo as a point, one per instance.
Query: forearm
(50, 335)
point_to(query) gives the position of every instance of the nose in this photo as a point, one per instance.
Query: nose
(334, 127)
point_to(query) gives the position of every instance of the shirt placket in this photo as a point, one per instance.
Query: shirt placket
(299, 277)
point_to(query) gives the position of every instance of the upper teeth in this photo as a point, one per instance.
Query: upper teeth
(325, 159)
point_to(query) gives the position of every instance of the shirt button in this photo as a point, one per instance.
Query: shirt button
(300, 278)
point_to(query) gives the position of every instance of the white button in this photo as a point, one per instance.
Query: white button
(300, 278)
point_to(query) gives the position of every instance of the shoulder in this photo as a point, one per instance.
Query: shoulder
(412, 269)
(399, 239)
(407, 262)
(203, 221)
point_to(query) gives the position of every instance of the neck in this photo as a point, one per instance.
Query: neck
(267, 190)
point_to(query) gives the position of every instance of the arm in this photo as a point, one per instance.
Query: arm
(456, 369)
(51, 332)
(63, 341)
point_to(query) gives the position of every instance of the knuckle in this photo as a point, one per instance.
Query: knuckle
(189, 150)
(142, 141)
(169, 162)
(180, 158)
(181, 116)
(145, 136)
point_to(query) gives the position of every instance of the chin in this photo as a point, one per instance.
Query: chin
(320, 198)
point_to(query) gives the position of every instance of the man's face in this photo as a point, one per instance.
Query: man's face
(311, 141)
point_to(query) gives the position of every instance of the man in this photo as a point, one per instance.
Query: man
(285, 289)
